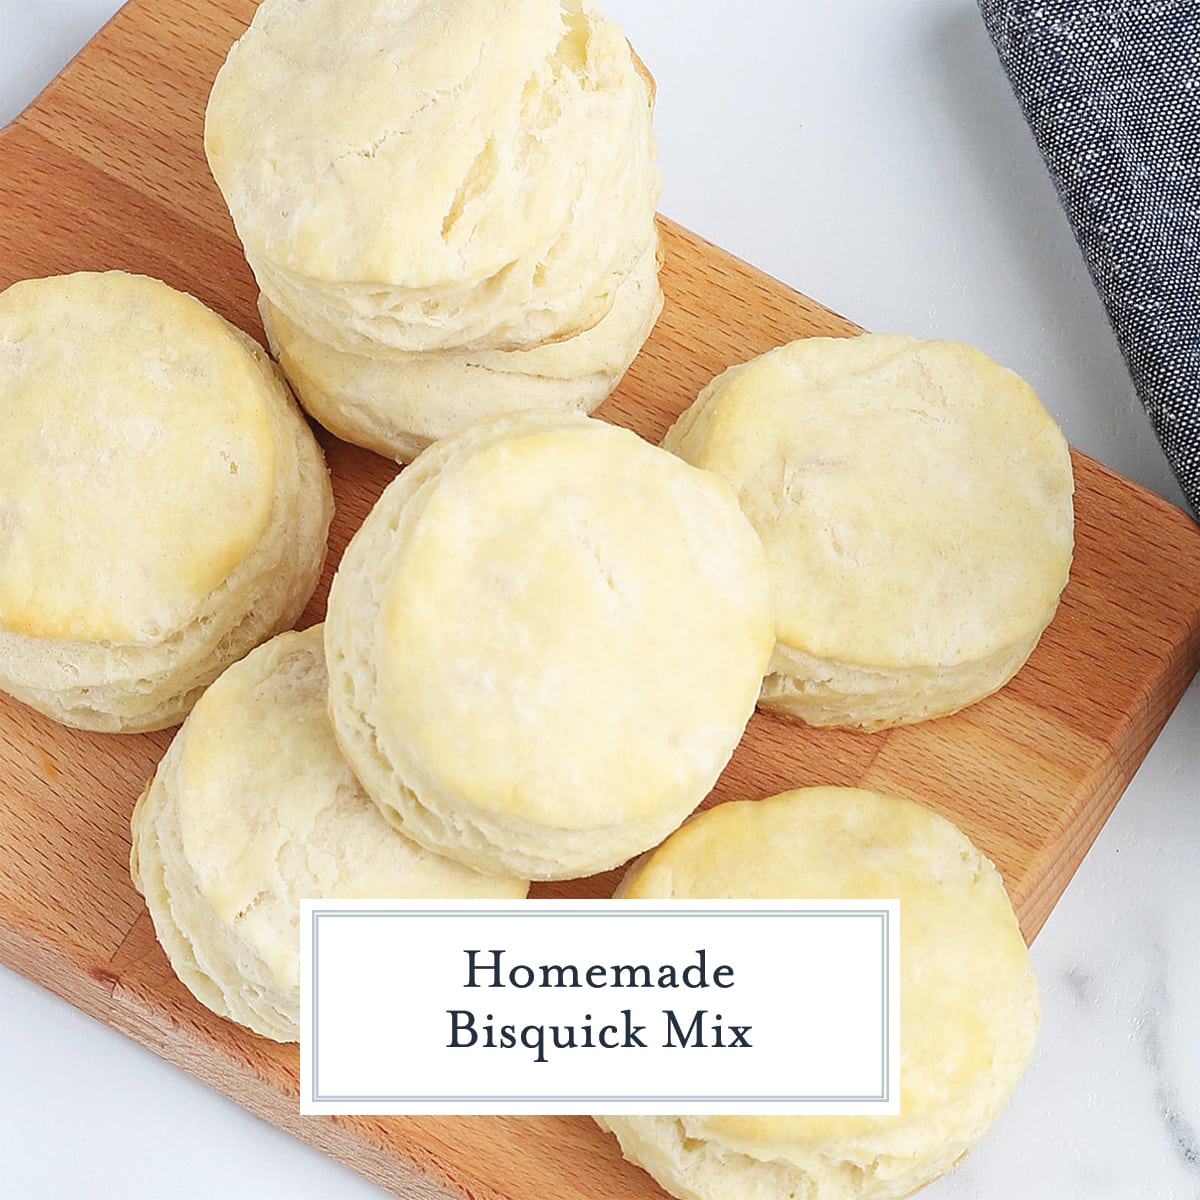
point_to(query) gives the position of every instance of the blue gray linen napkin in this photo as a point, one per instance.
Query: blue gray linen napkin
(1111, 91)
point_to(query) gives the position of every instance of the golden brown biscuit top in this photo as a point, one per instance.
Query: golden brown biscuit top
(574, 629)
(139, 456)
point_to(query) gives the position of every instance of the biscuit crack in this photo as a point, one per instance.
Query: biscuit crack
(479, 178)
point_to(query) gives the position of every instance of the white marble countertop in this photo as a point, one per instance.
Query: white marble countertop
(870, 154)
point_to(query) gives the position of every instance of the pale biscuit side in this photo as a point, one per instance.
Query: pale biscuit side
(396, 403)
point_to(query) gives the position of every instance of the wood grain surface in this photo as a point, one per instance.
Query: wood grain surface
(106, 170)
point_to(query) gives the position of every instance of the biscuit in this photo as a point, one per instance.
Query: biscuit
(254, 809)
(969, 999)
(164, 506)
(479, 175)
(914, 499)
(545, 642)
(396, 403)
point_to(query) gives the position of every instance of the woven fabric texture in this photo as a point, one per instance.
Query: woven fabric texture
(1111, 92)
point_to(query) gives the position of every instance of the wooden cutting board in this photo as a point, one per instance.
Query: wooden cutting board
(106, 170)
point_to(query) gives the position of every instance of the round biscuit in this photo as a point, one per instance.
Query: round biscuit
(481, 175)
(969, 1000)
(165, 507)
(545, 642)
(914, 499)
(252, 809)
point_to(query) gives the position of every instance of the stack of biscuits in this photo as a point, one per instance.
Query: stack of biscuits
(449, 209)
(546, 639)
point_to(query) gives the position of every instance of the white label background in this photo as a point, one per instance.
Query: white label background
(816, 982)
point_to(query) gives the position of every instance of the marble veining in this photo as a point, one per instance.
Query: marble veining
(1152, 1026)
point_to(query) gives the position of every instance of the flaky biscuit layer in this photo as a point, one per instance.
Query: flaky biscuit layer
(396, 403)
(431, 177)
